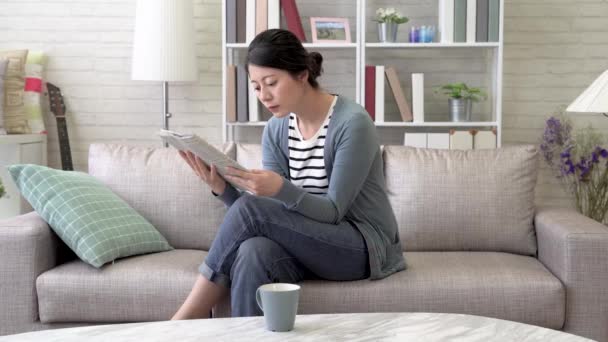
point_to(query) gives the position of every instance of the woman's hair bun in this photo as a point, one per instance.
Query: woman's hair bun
(316, 64)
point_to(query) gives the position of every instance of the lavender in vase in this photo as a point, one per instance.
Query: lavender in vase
(580, 162)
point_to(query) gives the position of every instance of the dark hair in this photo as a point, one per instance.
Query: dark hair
(281, 49)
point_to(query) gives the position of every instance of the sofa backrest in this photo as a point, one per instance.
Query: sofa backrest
(444, 200)
(454, 200)
(162, 188)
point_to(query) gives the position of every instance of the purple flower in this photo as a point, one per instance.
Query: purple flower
(555, 137)
(595, 157)
(556, 132)
(585, 166)
(567, 168)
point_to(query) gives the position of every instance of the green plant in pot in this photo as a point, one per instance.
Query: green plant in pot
(461, 98)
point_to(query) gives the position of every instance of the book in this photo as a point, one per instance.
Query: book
(482, 21)
(231, 93)
(446, 20)
(493, 20)
(202, 149)
(261, 16)
(250, 20)
(471, 20)
(370, 91)
(460, 21)
(242, 93)
(418, 97)
(231, 21)
(274, 14)
(393, 82)
(254, 104)
(379, 93)
(241, 21)
(292, 17)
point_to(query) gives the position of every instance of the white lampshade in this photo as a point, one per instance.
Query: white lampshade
(163, 47)
(594, 99)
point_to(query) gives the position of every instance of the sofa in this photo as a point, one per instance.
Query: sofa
(473, 240)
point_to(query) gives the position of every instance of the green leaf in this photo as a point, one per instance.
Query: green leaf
(460, 90)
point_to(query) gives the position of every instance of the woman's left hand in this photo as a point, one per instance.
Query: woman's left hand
(258, 182)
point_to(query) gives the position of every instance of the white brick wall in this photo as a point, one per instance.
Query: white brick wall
(89, 47)
(553, 50)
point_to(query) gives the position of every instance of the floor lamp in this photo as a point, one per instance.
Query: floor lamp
(163, 45)
(594, 99)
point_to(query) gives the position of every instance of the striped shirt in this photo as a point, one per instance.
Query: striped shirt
(306, 163)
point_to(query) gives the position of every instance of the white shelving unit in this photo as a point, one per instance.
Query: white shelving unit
(18, 149)
(361, 48)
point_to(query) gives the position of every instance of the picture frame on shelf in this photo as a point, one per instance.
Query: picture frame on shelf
(330, 30)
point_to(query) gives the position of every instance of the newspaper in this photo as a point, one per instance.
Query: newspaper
(202, 149)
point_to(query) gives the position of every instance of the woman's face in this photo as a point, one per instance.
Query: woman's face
(277, 89)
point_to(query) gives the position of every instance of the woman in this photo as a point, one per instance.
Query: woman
(319, 209)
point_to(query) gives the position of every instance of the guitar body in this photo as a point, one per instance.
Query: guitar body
(58, 109)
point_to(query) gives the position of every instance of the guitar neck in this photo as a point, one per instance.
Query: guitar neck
(64, 144)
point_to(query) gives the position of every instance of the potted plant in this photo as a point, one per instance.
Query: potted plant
(388, 20)
(2, 192)
(461, 98)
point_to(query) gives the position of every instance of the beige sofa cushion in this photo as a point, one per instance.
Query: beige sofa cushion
(135, 289)
(159, 185)
(249, 155)
(506, 286)
(451, 200)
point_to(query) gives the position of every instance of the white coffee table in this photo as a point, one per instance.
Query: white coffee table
(333, 327)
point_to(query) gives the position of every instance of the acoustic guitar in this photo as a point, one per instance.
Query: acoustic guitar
(58, 109)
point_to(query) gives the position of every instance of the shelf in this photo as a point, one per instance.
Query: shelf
(306, 45)
(22, 138)
(399, 124)
(330, 45)
(430, 45)
(249, 124)
(237, 45)
(364, 49)
(381, 45)
(437, 124)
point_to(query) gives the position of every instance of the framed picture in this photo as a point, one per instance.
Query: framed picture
(330, 30)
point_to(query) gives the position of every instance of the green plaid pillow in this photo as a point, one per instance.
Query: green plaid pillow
(94, 222)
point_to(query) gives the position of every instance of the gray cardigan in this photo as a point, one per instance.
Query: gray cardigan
(357, 190)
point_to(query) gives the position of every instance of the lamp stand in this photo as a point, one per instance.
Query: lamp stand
(166, 114)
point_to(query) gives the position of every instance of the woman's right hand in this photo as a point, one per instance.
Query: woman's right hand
(208, 174)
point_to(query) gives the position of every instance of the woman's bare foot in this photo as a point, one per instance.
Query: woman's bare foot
(202, 298)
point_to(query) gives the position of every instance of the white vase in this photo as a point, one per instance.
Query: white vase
(387, 32)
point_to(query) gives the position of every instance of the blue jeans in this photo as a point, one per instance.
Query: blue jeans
(262, 242)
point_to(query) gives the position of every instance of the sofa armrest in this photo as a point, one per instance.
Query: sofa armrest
(28, 248)
(575, 249)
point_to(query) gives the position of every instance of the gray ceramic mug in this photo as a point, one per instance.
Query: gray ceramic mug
(279, 302)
